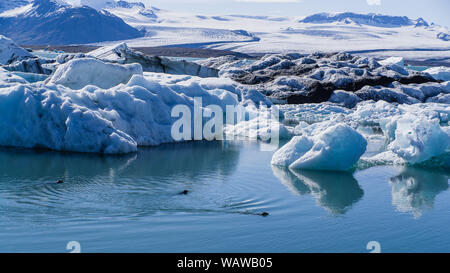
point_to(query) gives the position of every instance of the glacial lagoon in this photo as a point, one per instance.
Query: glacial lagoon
(132, 203)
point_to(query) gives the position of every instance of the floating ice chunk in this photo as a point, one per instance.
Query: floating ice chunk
(344, 98)
(121, 53)
(78, 73)
(440, 73)
(418, 138)
(39, 117)
(10, 51)
(258, 123)
(382, 158)
(393, 60)
(92, 119)
(111, 53)
(338, 148)
(254, 129)
(312, 113)
(292, 151)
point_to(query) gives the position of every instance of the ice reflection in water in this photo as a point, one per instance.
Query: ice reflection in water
(414, 189)
(335, 191)
(125, 186)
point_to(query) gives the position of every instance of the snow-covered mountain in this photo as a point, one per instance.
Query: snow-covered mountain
(12, 4)
(370, 19)
(125, 4)
(372, 34)
(131, 11)
(54, 22)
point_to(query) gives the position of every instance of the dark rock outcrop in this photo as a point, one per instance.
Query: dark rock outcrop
(296, 78)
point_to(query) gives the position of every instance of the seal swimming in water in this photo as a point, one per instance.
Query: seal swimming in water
(264, 214)
(59, 182)
(184, 192)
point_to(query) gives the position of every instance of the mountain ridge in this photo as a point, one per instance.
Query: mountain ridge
(55, 22)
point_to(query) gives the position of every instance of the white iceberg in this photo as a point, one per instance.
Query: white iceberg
(92, 106)
(338, 148)
(393, 60)
(418, 138)
(440, 73)
(121, 53)
(11, 52)
(93, 119)
(395, 133)
(79, 73)
(110, 53)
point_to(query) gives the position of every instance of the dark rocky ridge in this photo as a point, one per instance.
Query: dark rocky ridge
(296, 78)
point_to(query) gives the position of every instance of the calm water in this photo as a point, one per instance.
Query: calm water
(131, 203)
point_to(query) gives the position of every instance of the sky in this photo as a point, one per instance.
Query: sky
(431, 10)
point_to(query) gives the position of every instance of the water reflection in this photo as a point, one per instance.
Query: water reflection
(414, 189)
(165, 160)
(335, 191)
(135, 184)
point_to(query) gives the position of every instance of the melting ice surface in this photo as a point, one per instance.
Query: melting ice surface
(131, 203)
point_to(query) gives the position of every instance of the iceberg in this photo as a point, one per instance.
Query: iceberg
(11, 52)
(440, 73)
(89, 105)
(393, 60)
(93, 119)
(402, 134)
(121, 53)
(79, 73)
(418, 138)
(338, 148)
